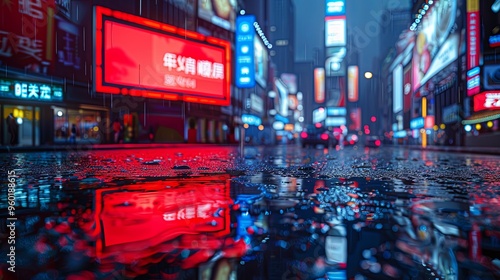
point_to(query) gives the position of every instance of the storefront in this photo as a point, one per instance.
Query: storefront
(87, 121)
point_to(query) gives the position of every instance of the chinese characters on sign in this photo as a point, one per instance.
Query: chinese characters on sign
(30, 91)
(190, 66)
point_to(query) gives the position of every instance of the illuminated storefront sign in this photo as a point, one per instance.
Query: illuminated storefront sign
(245, 67)
(473, 81)
(336, 111)
(319, 85)
(30, 90)
(335, 121)
(352, 83)
(486, 101)
(417, 123)
(167, 63)
(335, 31)
(335, 7)
(152, 214)
(251, 119)
(429, 122)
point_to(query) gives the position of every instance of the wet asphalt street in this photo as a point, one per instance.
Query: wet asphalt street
(281, 212)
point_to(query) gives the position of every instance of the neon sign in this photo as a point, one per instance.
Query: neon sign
(30, 91)
(140, 57)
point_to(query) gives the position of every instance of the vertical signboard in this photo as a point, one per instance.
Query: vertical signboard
(335, 7)
(335, 31)
(473, 47)
(352, 83)
(245, 68)
(319, 85)
(407, 88)
(397, 91)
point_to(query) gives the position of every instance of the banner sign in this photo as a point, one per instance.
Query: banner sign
(140, 57)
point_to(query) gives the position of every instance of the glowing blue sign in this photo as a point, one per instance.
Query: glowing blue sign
(245, 69)
(251, 119)
(417, 123)
(335, 7)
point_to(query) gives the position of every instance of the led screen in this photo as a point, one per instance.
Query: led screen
(487, 101)
(261, 61)
(335, 29)
(141, 57)
(219, 12)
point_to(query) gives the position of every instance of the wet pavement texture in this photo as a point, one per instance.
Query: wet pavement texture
(270, 213)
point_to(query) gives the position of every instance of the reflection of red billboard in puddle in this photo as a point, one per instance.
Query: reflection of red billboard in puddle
(141, 220)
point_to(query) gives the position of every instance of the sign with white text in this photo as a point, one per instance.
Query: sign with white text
(335, 31)
(488, 100)
(140, 57)
(24, 90)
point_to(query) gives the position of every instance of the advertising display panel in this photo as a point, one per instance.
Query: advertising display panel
(407, 89)
(397, 90)
(261, 62)
(473, 47)
(335, 31)
(221, 12)
(437, 43)
(319, 85)
(490, 11)
(141, 57)
(486, 101)
(352, 83)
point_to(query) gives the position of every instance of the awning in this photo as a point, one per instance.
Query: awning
(482, 116)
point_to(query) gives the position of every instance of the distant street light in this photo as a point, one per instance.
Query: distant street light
(368, 75)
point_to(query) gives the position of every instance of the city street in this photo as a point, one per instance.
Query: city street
(274, 212)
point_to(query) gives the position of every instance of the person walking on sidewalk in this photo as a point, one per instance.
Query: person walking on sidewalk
(117, 129)
(12, 128)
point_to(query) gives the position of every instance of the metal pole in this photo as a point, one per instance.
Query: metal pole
(242, 141)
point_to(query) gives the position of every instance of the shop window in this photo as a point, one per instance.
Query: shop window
(24, 118)
(86, 123)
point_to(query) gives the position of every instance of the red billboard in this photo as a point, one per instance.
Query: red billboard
(488, 100)
(154, 215)
(142, 57)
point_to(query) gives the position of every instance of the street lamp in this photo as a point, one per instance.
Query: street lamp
(368, 75)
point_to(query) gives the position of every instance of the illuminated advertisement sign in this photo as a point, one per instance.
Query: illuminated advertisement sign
(397, 89)
(336, 111)
(486, 101)
(352, 83)
(318, 115)
(245, 68)
(335, 7)
(290, 80)
(417, 123)
(335, 64)
(261, 61)
(490, 11)
(355, 119)
(473, 81)
(281, 99)
(30, 90)
(151, 215)
(140, 57)
(335, 31)
(251, 119)
(491, 77)
(437, 44)
(27, 35)
(221, 12)
(407, 89)
(335, 121)
(319, 85)
(473, 33)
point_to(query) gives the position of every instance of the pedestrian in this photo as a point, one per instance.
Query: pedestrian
(12, 128)
(117, 129)
(72, 137)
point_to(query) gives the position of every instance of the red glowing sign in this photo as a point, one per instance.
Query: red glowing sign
(488, 100)
(141, 57)
(154, 214)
